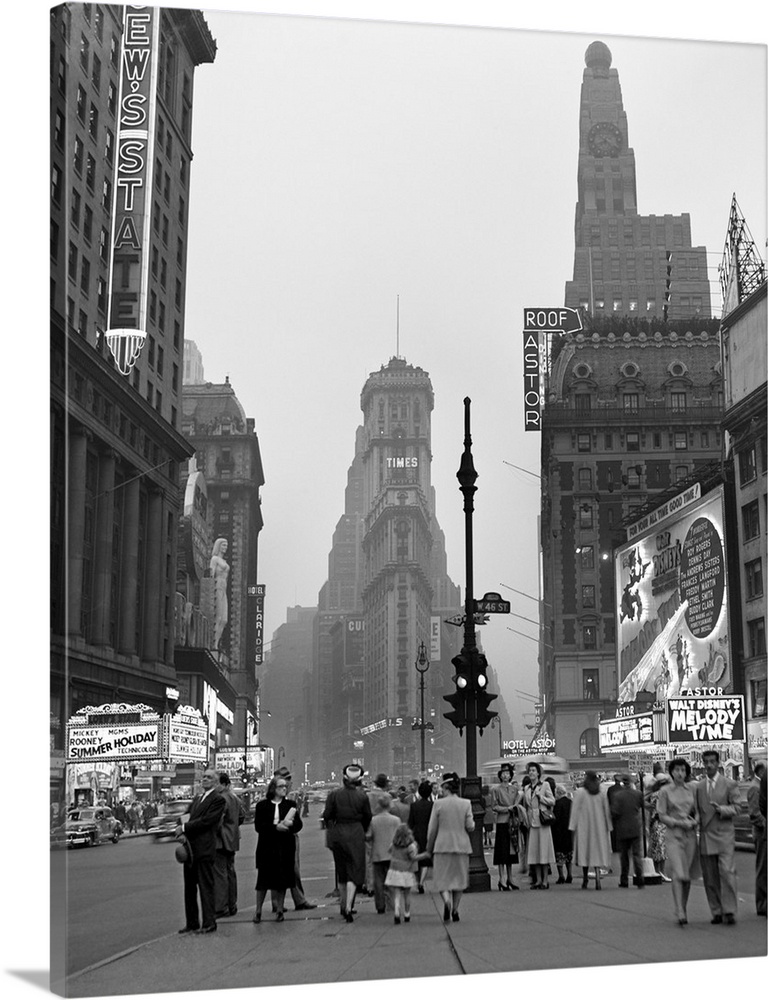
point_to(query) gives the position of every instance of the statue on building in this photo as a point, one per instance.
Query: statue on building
(220, 575)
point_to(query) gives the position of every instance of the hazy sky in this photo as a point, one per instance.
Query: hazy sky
(693, 149)
(341, 163)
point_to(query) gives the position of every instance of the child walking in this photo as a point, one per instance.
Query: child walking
(401, 877)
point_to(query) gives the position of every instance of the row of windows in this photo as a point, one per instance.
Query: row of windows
(677, 440)
(751, 461)
(631, 479)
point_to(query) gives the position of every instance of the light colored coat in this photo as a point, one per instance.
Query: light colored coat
(381, 832)
(716, 833)
(591, 825)
(450, 824)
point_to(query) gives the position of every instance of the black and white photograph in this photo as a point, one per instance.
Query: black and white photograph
(403, 533)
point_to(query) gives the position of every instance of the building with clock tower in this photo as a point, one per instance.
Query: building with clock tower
(625, 264)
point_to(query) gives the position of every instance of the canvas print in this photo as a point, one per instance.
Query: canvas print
(408, 500)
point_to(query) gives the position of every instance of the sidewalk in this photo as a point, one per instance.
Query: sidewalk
(565, 927)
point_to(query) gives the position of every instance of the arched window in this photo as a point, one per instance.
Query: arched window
(589, 743)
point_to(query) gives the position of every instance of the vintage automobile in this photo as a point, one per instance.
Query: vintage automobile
(741, 822)
(88, 826)
(162, 827)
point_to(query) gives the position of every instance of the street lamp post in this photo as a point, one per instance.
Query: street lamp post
(479, 877)
(422, 665)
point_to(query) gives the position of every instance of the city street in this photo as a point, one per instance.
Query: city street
(127, 901)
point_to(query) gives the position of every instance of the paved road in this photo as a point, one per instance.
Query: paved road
(125, 895)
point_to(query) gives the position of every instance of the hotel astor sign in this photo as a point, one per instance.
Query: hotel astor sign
(537, 321)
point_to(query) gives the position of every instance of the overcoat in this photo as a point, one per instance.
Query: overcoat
(200, 828)
(450, 824)
(591, 826)
(276, 849)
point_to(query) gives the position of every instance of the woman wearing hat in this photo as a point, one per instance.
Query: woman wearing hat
(347, 816)
(505, 846)
(450, 825)
(541, 852)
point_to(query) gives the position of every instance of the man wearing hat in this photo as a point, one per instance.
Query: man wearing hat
(300, 901)
(199, 826)
(626, 807)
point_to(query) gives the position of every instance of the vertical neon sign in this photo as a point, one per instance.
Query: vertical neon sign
(131, 200)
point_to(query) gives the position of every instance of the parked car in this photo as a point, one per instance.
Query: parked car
(741, 822)
(88, 826)
(162, 827)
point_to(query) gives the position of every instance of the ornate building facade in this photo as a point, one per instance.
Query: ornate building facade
(633, 406)
(116, 445)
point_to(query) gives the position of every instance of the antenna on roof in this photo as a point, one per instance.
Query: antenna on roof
(397, 352)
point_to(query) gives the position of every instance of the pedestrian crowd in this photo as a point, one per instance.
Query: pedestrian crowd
(386, 842)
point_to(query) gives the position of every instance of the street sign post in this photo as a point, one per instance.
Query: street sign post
(491, 604)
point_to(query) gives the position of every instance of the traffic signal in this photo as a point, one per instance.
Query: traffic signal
(480, 675)
(458, 702)
(483, 715)
(462, 664)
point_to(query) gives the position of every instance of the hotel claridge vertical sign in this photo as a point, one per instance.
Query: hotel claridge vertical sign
(131, 199)
(536, 354)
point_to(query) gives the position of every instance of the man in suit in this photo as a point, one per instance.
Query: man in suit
(717, 802)
(227, 845)
(199, 827)
(626, 812)
(757, 818)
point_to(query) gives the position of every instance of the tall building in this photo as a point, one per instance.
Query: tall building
(633, 406)
(116, 445)
(625, 264)
(193, 364)
(227, 453)
(743, 332)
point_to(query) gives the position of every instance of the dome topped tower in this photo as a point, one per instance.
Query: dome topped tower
(598, 57)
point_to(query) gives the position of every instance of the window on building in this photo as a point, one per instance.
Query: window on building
(678, 401)
(90, 172)
(54, 241)
(112, 98)
(747, 465)
(180, 252)
(72, 262)
(758, 699)
(96, 72)
(761, 454)
(584, 442)
(585, 515)
(150, 393)
(590, 678)
(109, 145)
(657, 439)
(585, 479)
(608, 441)
(55, 185)
(81, 104)
(85, 50)
(756, 636)
(101, 290)
(82, 323)
(153, 305)
(155, 258)
(681, 440)
(631, 402)
(633, 477)
(78, 155)
(633, 441)
(177, 295)
(753, 575)
(106, 196)
(104, 245)
(750, 520)
(88, 223)
(114, 51)
(182, 211)
(705, 439)
(74, 208)
(589, 743)
(586, 556)
(163, 272)
(599, 303)
(61, 78)
(85, 276)
(681, 471)
(165, 230)
(588, 596)
(617, 305)
(160, 361)
(99, 23)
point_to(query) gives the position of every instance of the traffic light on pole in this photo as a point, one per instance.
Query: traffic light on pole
(458, 700)
(483, 715)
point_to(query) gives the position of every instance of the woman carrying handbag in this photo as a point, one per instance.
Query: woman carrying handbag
(539, 802)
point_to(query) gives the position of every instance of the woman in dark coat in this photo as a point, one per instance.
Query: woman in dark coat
(347, 816)
(505, 841)
(276, 820)
(562, 838)
(418, 821)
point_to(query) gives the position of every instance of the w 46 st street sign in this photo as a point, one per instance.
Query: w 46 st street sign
(492, 604)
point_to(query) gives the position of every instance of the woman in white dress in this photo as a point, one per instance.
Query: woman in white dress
(676, 808)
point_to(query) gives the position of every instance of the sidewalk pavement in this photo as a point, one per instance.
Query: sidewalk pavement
(566, 927)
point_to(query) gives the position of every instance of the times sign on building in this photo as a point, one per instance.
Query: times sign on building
(672, 600)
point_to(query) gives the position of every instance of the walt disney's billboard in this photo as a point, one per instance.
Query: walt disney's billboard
(672, 598)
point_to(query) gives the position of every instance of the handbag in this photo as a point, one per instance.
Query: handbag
(546, 813)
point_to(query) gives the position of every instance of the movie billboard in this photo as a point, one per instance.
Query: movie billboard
(672, 600)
